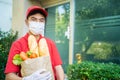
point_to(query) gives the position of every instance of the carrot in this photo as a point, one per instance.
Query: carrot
(33, 55)
(23, 56)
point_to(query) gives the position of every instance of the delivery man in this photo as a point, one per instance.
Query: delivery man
(35, 20)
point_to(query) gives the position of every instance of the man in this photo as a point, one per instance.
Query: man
(35, 20)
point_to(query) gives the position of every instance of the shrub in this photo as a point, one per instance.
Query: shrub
(93, 71)
(6, 39)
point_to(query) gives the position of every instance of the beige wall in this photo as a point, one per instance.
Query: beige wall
(18, 15)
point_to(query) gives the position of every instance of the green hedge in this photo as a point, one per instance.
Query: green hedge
(6, 39)
(93, 71)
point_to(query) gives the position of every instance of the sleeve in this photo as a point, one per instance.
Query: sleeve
(10, 67)
(55, 56)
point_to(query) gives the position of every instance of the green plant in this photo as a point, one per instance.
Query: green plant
(93, 71)
(6, 39)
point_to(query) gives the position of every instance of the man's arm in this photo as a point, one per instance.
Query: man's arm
(41, 74)
(12, 76)
(59, 72)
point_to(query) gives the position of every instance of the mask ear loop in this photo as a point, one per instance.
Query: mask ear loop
(45, 26)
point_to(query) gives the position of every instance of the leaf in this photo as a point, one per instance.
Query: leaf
(17, 56)
(17, 62)
(17, 59)
(29, 53)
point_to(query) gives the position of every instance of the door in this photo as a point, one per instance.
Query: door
(57, 28)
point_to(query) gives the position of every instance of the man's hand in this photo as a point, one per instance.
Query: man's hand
(39, 75)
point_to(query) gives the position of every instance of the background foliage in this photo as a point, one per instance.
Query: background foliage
(93, 71)
(6, 39)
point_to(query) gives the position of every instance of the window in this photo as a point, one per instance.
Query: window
(97, 25)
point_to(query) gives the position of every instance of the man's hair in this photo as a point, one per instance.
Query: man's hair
(35, 12)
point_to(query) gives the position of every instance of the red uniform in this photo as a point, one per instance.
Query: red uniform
(22, 45)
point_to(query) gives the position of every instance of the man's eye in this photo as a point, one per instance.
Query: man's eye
(33, 19)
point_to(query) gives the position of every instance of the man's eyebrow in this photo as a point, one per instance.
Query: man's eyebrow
(34, 17)
(42, 18)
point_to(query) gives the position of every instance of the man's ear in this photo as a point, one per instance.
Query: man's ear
(26, 22)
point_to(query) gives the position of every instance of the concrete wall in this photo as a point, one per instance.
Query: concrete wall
(18, 16)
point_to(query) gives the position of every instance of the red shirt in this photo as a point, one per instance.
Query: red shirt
(22, 45)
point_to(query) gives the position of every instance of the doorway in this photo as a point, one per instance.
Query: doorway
(57, 28)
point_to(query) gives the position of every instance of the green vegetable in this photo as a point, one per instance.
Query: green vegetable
(29, 53)
(17, 60)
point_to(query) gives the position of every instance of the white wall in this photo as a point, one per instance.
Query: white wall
(5, 14)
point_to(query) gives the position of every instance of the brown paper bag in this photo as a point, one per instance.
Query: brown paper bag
(31, 65)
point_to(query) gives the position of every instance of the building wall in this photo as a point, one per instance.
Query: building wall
(18, 16)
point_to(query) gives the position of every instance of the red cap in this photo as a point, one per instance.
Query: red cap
(32, 8)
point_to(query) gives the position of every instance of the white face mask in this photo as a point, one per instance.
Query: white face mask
(36, 27)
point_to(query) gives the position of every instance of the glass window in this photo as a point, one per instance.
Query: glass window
(97, 30)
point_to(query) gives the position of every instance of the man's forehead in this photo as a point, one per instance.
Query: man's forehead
(37, 16)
